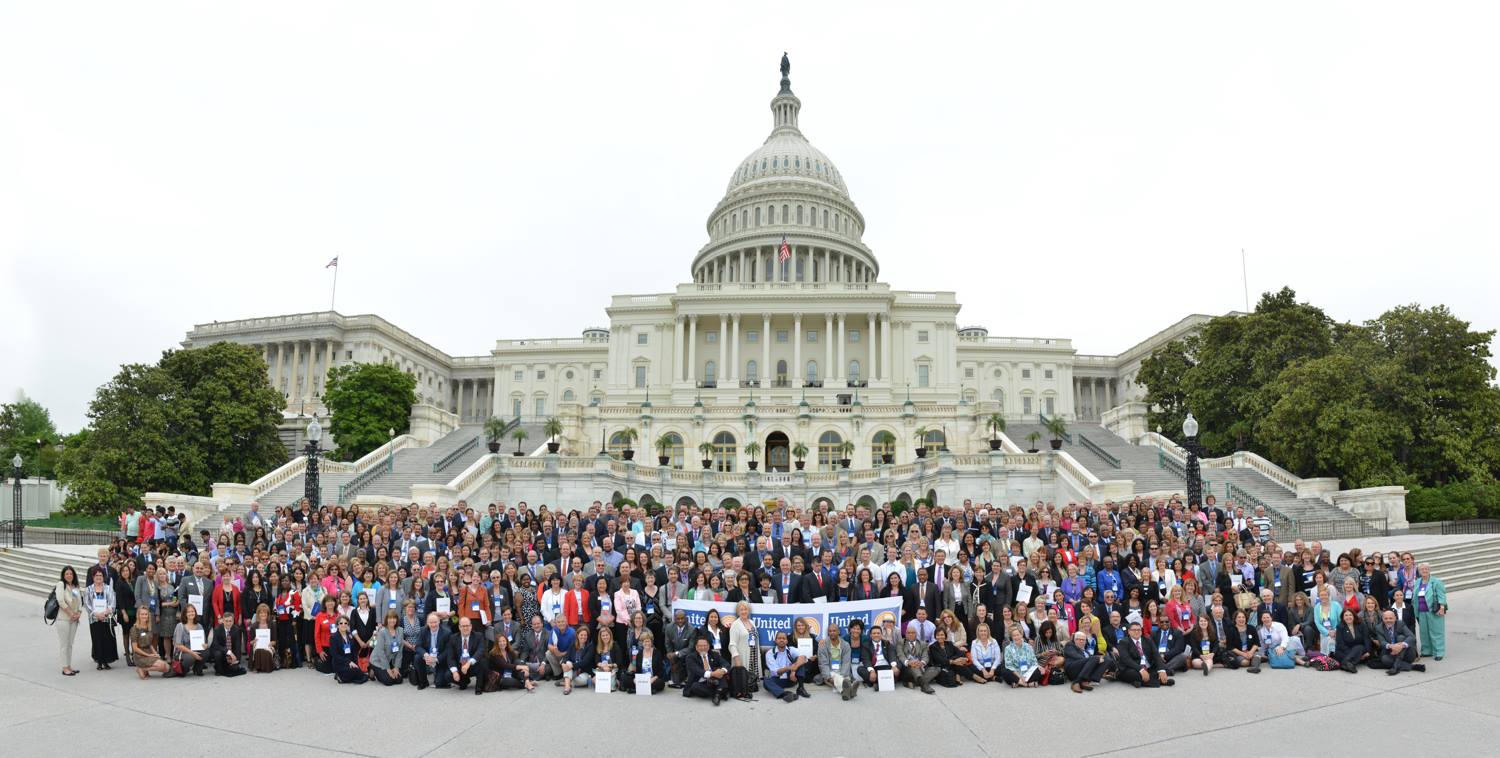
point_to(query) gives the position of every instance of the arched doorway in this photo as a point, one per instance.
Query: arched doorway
(778, 452)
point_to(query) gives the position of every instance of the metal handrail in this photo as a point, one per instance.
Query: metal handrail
(444, 462)
(361, 480)
(1043, 418)
(1094, 448)
(1279, 521)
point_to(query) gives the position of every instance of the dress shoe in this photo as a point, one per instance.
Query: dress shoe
(789, 697)
(1391, 671)
(927, 688)
(718, 698)
(1414, 667)
(802, 691)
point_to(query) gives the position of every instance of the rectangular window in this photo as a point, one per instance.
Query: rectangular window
(348, 355)
(1048, 402)
(640, 339)
(968, 373)
(921, 335)
(781, 335)
(711, 337)
(922, 374)
(812, 335)
(752, 337)
(1047, 373)
(541, 406)
(598, 373)
(541, 374)
(1026, 404)
(520, 376)
(1025, 373)
(853, 335)
(640, 376)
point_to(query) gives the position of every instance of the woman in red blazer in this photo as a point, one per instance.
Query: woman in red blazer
(576, 604)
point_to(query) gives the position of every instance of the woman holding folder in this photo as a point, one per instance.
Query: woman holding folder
(189, 641)
(263, 639)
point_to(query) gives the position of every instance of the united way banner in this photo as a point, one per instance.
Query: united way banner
(771, 618)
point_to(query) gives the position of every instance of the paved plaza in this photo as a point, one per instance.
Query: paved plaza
(1449, 710)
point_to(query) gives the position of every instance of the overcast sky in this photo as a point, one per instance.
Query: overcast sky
(492, 171)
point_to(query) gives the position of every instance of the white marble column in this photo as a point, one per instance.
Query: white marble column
(307, 369)
(692, 349)
(734, 350)
(765, 350)
(885, 347)
(678, 348)
(828, 326)
(797, 368)
(869, 367)
(461, 400)
(327, 365)
(276, 371)
(723, 349)
(840, 368)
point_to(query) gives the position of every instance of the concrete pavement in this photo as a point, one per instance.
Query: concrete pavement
(1449, 709)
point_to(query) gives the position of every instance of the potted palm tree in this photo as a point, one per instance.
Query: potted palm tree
(664, 449)
(1032, 440)
(519, 435)
(887, 441)
(921, 435)
(707, 450)
(628, 435)
(846, 449)
(996, 423)
(494, 430)
(1057, 428)
(799, 451)
(553, 429)
(752, 451)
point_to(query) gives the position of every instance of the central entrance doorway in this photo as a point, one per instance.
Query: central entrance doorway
(778, 452)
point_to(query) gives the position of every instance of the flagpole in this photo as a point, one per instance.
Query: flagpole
(1245, 280)
(334, 294)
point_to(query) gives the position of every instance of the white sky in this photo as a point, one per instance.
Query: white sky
(489, 170)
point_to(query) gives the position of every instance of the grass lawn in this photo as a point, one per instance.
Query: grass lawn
(61, 521)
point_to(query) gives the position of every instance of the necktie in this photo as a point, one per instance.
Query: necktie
(705, 664)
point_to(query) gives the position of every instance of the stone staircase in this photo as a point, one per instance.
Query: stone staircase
(1465, 565)
(34, 570)
(1144, 466)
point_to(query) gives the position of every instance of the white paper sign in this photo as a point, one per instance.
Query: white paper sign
(101, 605)
(805, 647)
(195, 639)
(443, 605)
(643, 684)
(886, 678)
(197, 602)
(1023, 593)
(262, 639)
(1025, 673)
(603, 681)
(1236, 579)
(838, 681)
(820, 600)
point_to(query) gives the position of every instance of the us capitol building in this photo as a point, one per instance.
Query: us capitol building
(759, 346)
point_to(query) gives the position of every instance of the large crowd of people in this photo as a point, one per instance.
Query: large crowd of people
(510, 596)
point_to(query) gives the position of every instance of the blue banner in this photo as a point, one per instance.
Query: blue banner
(771, 618)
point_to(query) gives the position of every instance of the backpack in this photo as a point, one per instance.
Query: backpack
(1323, 663)
(50, 608)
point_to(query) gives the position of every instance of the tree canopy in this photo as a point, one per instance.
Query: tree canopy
(1406, 398)
(197, 417)
(367, 401)
(22, 424)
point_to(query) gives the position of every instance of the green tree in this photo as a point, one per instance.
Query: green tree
(22, 423)
(136, 443)
(367, 401)
(1161, 374)
(223, 387)
(1336, 415)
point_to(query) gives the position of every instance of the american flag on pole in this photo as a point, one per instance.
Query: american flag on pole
(786, 250)
(333, 263)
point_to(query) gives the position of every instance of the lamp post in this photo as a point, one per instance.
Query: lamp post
(16, 524)
(310, 478)
(1194, 474)
(390, 450)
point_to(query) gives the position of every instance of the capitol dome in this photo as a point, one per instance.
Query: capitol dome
(785, 190)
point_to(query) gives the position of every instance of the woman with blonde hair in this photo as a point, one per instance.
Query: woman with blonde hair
(948, 622)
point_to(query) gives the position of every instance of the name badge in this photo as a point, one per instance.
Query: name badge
(346, 649)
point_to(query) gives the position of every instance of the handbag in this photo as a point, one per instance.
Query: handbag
(50, 608)
(1282, 660)
(177, 669)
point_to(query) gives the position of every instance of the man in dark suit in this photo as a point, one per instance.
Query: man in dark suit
(815, 584)
(226, 650)
(707, 676)
(428, 663)
(1171, 646)
(1269, 605)
(922, 594)
(1139, 664)
(881, 654)
(788, 583)
(1396, 646)
(1083, 667)
(464, 658)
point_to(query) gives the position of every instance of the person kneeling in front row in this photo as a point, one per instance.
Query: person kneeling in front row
(880, 656)
(426, 666)
(343, 655)
(916, 670)
(1397, 651)
(784, 671)
(707, 676)
(1082, 663)
(465, 659)
(227, 650)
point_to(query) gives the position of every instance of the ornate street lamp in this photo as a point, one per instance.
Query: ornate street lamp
(1194, 474)
(16, 524)
(310, 479)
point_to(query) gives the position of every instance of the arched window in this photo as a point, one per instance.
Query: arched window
(879, 448)
(567, 396)
(998, 396)
(786, 214)
(799, 215)
(752, 370)
(675, 451)
(757, 216)
(812, 371)
(934, 440)
(828, 450)
(854, 371)
(724, 451)
(781, 373)
(617, 444)
(710, 373)
(825, 218)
